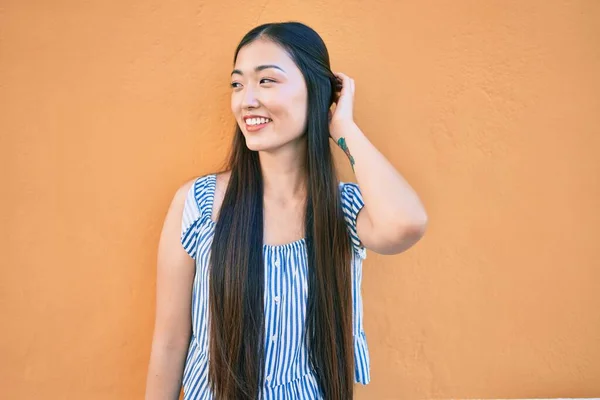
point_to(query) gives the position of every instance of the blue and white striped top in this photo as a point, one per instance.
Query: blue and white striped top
(287, 372)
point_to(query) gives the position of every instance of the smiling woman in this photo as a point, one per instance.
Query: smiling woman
(265, 77)
(266, 257)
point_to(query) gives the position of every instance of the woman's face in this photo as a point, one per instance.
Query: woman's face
(266, 83)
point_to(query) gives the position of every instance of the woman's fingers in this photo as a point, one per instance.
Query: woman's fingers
(347, 82)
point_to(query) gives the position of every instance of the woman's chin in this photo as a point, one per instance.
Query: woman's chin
(267, 142)
(255, 144)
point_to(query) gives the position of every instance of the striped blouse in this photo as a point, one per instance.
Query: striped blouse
(287, 372)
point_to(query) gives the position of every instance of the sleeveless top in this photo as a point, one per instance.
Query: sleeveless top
(287, 370)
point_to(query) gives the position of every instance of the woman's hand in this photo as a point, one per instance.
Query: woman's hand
(342, 114)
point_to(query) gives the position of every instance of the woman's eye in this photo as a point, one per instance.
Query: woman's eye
(236, 85)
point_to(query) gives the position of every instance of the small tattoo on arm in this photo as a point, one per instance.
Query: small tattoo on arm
(342, 143)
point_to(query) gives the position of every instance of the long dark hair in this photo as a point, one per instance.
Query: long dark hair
(236, 323)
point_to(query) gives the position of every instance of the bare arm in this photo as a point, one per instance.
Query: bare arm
(172, 330)
(393, 218)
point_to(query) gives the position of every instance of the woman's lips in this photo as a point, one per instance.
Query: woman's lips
(254, 128)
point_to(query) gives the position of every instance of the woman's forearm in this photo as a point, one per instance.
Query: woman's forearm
(393, 203)
(165, 372)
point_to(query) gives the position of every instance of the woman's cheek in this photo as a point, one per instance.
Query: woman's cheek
(235, 104)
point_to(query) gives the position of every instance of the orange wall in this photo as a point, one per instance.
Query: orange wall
(490, 111)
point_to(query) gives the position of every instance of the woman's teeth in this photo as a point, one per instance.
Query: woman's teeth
(257, 121)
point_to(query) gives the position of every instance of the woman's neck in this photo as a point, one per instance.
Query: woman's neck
(284, 172)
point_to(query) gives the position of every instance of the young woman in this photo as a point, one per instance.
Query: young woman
(260, 266)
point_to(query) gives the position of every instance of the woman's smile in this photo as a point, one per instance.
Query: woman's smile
(256, 123)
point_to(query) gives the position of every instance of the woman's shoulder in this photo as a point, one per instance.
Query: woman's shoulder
(198, 194)
(349, 191)
(206, 192)
(216, 181)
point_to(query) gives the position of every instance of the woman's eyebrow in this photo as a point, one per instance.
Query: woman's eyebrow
(259, 68)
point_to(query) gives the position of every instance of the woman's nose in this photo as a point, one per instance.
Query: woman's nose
(249, 100)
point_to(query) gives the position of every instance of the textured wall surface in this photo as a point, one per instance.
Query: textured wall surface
(490, 110)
